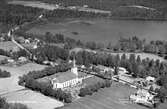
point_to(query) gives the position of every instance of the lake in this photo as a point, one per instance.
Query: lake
(107, 30)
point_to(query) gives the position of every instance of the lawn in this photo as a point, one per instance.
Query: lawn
(93, 80)
(105, 30)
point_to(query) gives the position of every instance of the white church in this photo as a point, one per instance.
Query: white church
(70, 78)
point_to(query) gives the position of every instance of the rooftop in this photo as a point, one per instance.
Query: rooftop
(63, 76)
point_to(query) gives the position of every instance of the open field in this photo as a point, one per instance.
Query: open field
(14, 93)
(10, 84)
(108, 98)
(101, 30)
(8, 45)
(33, 100)
(115, 97)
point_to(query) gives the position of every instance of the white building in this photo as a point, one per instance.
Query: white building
(104, 68)
(142, 96)
(150, 79)
(22, 59)
(69, 78)
(122, 71)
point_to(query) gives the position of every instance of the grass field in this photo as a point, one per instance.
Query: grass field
(115, 97)
(101, 30)
(14, 93)
(8, 45)
(108, 98)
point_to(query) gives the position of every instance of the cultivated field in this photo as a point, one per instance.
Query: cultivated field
(14, 93)
(102, 30)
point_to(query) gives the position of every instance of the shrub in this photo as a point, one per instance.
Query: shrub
(89, 90)
(2, 102)
(4, 74)
(17, 106)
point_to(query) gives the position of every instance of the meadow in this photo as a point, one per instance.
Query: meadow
(105, 30)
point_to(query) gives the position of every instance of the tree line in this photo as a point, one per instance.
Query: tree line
(118, 11)
(134, 44)
(30, 81)
(50, 53)
(134, 64)
(47, 89)
(5, 105)
(4, 74)
(90, 89)
(17, 14)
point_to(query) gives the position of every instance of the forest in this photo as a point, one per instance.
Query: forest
(126, 13)
(16, 14)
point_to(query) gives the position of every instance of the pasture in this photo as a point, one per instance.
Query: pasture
(105, 30)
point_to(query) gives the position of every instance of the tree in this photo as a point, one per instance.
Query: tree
(123, 57)
(2, 102)
(138, 60)
(162, 94)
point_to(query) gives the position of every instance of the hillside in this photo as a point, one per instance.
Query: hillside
(122, 9)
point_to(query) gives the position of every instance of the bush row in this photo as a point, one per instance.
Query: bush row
(89, 90)
(4, 74)
(47, 89)
(46, 72)
(5, 105)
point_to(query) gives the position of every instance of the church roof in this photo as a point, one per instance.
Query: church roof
(65, 76)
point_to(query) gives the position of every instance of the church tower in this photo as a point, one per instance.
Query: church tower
(74, 69)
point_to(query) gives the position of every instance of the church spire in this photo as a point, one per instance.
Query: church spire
(74, 69)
